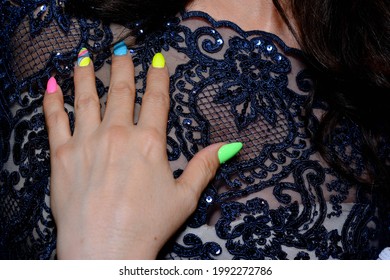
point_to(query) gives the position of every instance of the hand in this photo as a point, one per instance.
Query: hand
(113, 195)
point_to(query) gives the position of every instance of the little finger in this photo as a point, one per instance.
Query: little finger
(57, 120)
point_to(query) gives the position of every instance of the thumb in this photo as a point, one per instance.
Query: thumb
(203, 166)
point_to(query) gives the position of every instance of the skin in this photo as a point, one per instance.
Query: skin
(113, 195)
(249, 15)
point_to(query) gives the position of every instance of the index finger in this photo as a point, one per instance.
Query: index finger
(155, 102)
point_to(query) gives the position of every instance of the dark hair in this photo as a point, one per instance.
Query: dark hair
(347, 43)
(150, 13)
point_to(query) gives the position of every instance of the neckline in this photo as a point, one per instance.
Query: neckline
(186, 15)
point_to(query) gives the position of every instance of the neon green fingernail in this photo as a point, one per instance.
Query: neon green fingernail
(158, 61)
(228, 151)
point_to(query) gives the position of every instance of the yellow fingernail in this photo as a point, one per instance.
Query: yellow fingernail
(158, 61)
(83, 58)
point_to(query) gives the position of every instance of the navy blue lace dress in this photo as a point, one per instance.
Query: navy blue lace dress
(277, 199)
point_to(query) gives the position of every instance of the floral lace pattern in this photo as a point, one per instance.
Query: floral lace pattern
(276, 200)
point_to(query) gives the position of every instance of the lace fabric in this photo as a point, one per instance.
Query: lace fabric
(277, 199)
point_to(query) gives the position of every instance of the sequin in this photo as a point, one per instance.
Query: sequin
(258, 42)
(223, 86)
(187, 122)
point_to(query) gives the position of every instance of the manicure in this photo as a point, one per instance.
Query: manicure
(228, 151)
(158, 61)
(120, 49)
(51, 85)
(83, 58)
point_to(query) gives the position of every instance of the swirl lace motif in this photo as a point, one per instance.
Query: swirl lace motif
(226, 84)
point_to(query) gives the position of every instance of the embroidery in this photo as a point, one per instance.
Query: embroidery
(226, 85)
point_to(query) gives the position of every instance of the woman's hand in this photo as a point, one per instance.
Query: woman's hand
(113, 195)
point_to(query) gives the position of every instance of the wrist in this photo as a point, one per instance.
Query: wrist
(107, 249)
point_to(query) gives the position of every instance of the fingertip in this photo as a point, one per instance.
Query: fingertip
(158, 61)
(84, 65)
(222, 152)
(201, 169)
(53, 96)
(122, 61)
(83, 58)
(228, 151)
(158, 75)
(51, 86)
(53, 93)
(203, 166)
(120, 49)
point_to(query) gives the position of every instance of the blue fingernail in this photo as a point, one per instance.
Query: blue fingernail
(120, 49)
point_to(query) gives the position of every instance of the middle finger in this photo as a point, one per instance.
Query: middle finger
(121, 95)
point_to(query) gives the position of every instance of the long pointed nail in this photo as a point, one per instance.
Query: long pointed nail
(83, 58)
(51, 85)
(120, 49)
(228, 151)
(158, 61)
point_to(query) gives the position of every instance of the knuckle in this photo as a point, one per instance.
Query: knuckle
(206, 167)
(55, 115)
(53, 119)
(50, 103)
(151, 134)
(46, 101)
(116, 144)
(121, 88)
(85, 102)
(115, 135)
(117, 141)
(121, 63)
(157, 96)
(62, 153)
(191, 198)
(83, 74)
(151, 140)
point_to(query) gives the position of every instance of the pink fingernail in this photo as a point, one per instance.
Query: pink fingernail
(51, 85)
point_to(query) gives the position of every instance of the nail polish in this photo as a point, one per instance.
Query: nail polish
(228, 151)
(83, 58)
(51, 85)
(120, 49)
(158, 61)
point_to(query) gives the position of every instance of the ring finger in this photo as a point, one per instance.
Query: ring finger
(87, 104)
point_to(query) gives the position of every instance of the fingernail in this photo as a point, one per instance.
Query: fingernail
(120, 49)
(228, 151)
(51, 85)
(83, 58)
(158, 61)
